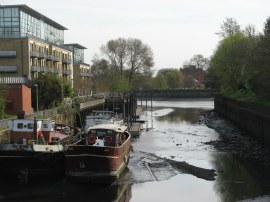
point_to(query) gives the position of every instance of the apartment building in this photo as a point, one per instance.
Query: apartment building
(81, 71)
(32, 44)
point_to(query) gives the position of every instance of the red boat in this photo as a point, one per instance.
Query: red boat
(101, 157)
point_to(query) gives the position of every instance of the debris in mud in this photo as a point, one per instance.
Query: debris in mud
(145, 167)
(232, 140)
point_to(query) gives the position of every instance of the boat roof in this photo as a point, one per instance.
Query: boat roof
(115, 127)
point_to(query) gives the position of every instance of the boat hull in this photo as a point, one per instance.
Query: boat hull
(32, 163)
(94, 164)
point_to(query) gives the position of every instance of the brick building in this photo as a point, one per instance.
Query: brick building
(196, 74)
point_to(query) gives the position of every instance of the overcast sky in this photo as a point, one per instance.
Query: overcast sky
(176, 30)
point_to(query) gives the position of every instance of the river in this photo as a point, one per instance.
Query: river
(171, 133)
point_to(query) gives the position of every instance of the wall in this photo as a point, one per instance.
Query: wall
(18, 100)
(254, 119)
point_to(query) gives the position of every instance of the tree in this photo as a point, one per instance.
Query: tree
(116, 52)
(68, 90)
(259, 66)
(229, 28)
(100, 74)
(129, 57)
(140, 58)
(250, 31)
(230, 61)
(49, 91)
(2, 108)
(168, 78)
(160, 82)
(199, 61)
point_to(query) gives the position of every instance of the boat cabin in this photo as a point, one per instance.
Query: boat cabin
(106, 135)
(23, 131)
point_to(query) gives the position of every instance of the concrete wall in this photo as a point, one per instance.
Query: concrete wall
(254, 119)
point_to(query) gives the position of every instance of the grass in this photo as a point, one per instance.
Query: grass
(244, 95)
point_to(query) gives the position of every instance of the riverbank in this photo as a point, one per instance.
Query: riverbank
(233, 140)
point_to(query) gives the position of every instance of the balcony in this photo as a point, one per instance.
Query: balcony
(57, 58)
(43, 69)
(34, 54)
(41, 55)
(35, 68)
(50, 70)
(50, 57)
(85, 74)
(58, 71)
(66, 72)
(66, 61)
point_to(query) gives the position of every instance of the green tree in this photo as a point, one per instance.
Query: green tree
(68, 90)
(174, 78)
(230, 60)
(160, 82)
(260, 65)
(49, 91)
(2, 108)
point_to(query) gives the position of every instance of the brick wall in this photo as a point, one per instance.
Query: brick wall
(19, 100)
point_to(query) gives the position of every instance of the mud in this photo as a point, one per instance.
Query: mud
(145, 167)
(233, 140)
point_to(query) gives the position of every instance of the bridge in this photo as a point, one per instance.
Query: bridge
(178, 93)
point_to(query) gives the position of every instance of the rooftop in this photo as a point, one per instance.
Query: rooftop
(36, 14)
(76, 45)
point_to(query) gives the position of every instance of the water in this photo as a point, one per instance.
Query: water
(173, 134)
(176, 133)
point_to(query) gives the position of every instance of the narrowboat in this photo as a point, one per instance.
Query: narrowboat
(101, 157)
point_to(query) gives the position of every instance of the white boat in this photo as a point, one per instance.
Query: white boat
(102, 117)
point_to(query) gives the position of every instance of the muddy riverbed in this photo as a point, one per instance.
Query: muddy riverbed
(186, 152)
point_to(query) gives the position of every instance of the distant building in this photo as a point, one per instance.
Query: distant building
(196, 74)
(81, 71)
(32, 44)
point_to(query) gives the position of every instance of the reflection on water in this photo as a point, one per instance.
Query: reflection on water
(240, 179)
(181, 116)
(42, 190)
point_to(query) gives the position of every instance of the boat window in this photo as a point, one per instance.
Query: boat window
(45, 125)
(94, 132)
(20, 125)
(30, 126)
(109, 132)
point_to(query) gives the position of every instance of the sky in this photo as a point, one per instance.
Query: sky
(175, 30)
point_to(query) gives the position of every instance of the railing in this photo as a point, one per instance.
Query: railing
(66, 61)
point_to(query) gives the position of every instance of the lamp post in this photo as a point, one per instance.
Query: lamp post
(36, 94)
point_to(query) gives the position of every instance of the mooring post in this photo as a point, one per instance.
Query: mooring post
(146, 101)
(141, 98)
(151, 101)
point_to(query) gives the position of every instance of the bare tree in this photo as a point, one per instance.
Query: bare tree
(115, 51)
(128, 57)
(140, 58)
(250, 31)
(228, 28)
(199, 61)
